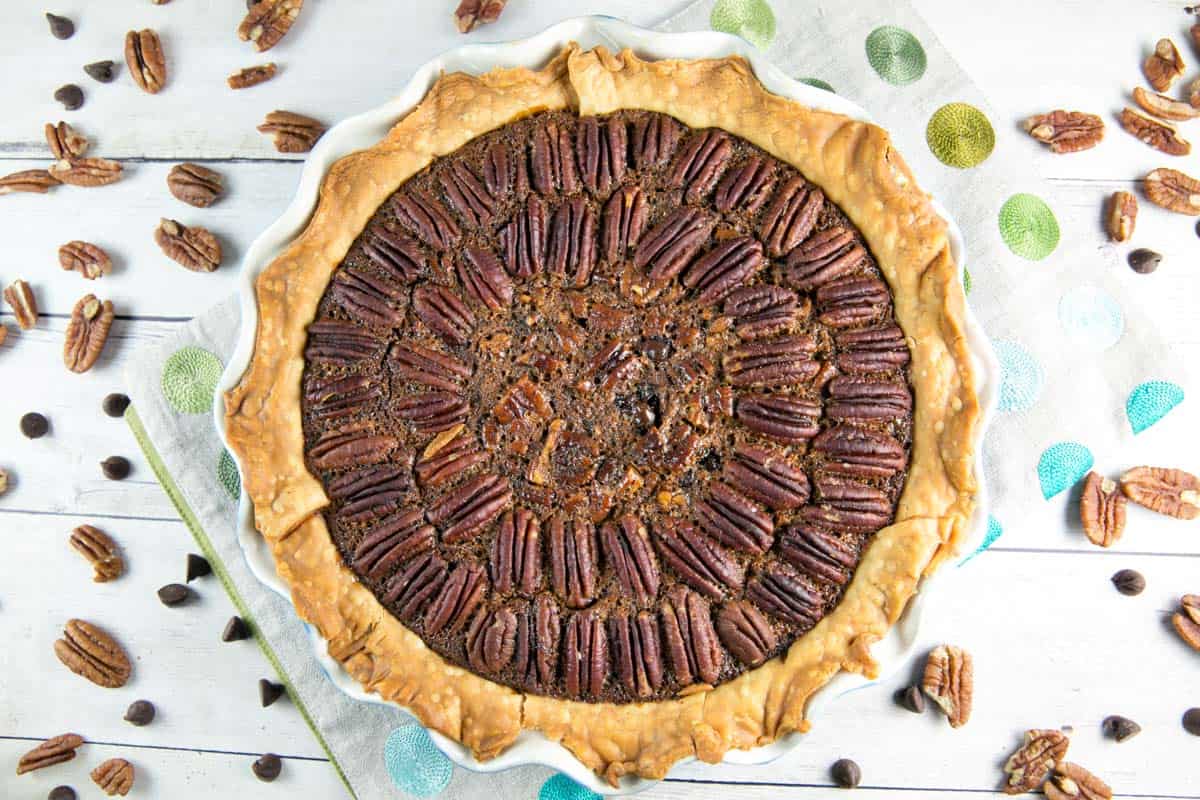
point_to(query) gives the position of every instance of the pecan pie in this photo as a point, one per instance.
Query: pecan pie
(622, 401)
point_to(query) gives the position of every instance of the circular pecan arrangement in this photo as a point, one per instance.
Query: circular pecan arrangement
(606, 407)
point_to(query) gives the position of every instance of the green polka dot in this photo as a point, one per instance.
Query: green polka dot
(227, 475)
(817, 82)
(189, 379)
(1028, 227)
(753, 20)
(966, 279)
(896, 55)
(960, 135)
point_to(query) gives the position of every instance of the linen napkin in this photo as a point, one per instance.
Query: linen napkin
(1077, 366)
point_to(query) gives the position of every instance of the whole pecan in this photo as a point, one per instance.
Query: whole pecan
(87, 259)
(767, 476)
(1039, 753)
(351, 445)
(427, 218)
(413, 586)
(1159, 135)
(114, 777)
(55, 750)
(636, 653)
(1168, 491)
(37, 181)
(432, 412)
(670, 245)
(292, 132)
(652, 140)
(791, 215)
(628, 553)
(195, 185)
(21, 300)
(483, 278)
(268, 21)
(784, 418)
(451, 453)
(393, 542)
(773, 363)
(699, 562)
(1164, 107)
(524, 239)
(786, 594)
(689, 637)
(89, 651)
(571, 245)
(762, 310)
(621, 223)
(1186, 620)
(86, 172)
(852, 301)
(64, 141)
(336, 397)
(855, 399)
(101, 552)
(552, 160)
(461, 594)
(722, 269)
(746, 632)
(492, 640)
(949, 681)
(444, 313)
(734, 520)
(144, 56)
(394, 252)
(1073, 782)
(246, 77)
(1163, 66)
(1121, 217)
(859, 452)
(700, 163)
(467, 194)
(819, 554)
(87, 332)
(339, 342)
(1173, 190)
(535, 659)
(866, 350)
(746, 187)
(428, 367)
(470, 14)
(1102, 510)
(193, 248)
(471, 507)
(368, 493)
(517, 554)
(573, 558)
(585, 655)
(601, 147)
(823, 257)
(1066, 131)
(847, 505)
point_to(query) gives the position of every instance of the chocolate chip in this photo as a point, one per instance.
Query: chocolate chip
(34, 425)
(1144, 261)
(235, 630)
(140, 712)
(845, 773)
(1191, 721)
(71, 96)
(60, 27)
(115, 404)
(116, 468)
(269, 692)
(1120, 728)
(197, 567)
(61, 793)
(174, 594)
(911, 698)
(100, 70)
(267, 767)
(1129, 582)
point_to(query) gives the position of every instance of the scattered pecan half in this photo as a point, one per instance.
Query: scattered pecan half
(411, 588)
(369, 493)
(432, 412)
(1073, 782)
(949, 681)
(1039, 753)
(763, 310)
(1168, 491)
(193, 248)
(783, 418)
(784, 593)
(852, 300)
(791, 216)
(293, 133)
(37, 181)
(470, 14)
(246, 77)
(653, 139)
(1122, 216)
(700, 163)
(461, 594)
(767, 476)
(1159, 135)
(1174, 191)
(87, 259)
(87, 172)
(1102, 510)
(602, 150)
(340, 342)
(1186, 620)
(1194, 93)
(195, 185)
(1164, 107)
(517, 554)
(471, 507)
(535, 659)
(444, 313)
(53, 751)
(524, 239)
(451, 453)
(114, 777)
(268, 21)
(689, 637)
(64, 141)
(353, 444)
(24, 305)
(585, 656)
(101, 552)
(734, 519)
(144, 56)
(1164, 66)
(491, 640)
(821, 555)
(746, 632)
(627, 551)
(1066, 131)
(573, 554)
(724, 268)
(699, 562)
(745, 187)
(670, 245)
(552, 160)
(89, 651)
(772, 363)
(637, 652)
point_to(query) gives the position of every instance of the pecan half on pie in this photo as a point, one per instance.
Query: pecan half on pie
(628, 407)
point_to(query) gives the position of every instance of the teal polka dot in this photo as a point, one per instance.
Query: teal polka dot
(560, 787)
(1028, 227)
(1091, 317)
(896, 55)
(1061, 467)
(818, 83)
(994, 532)
(227, 475)
(753, 20)
(189, 378)
(1021, 377)
(415, 763)
(1151, 401)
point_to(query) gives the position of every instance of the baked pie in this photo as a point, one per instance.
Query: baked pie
(622, 401)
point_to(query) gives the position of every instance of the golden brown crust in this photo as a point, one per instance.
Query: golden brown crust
(855, 165)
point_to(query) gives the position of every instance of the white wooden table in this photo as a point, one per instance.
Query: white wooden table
(1054, 644)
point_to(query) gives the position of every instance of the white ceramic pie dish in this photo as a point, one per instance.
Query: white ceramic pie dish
(362, 131)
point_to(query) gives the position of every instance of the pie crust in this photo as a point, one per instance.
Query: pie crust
(858, 169)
